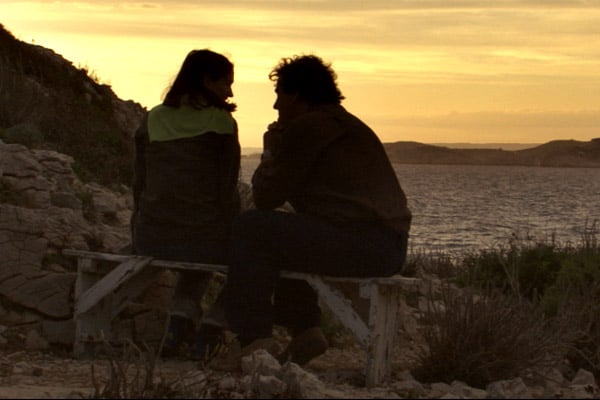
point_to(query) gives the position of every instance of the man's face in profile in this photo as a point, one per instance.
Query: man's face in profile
(286, 105)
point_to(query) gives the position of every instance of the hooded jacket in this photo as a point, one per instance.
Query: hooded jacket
(186, 174)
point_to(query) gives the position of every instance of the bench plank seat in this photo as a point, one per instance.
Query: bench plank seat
(100, 295)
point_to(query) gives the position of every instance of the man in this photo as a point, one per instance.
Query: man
(351, 216)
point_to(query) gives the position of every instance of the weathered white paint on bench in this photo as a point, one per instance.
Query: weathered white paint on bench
(100, 294)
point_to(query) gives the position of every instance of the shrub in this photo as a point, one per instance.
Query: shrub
(26, 134)
(481, 335)
(522, 270)
(519, 306)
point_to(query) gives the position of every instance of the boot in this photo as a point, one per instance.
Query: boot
(178, 332)
(209, 341)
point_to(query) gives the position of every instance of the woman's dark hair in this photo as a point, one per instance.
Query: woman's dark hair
(308, 76)
(189, 83)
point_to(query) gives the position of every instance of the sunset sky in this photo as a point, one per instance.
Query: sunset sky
(432, 71)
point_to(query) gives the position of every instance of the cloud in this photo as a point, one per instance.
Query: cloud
(504, 120)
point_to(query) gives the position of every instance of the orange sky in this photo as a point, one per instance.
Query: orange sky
(433, 71)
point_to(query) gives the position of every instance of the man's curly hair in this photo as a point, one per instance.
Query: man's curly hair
(308, 76)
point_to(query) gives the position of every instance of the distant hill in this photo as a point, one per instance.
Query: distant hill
(497, 146)
(557, 153)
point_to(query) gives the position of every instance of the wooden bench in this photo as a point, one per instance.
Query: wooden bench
(368, 307)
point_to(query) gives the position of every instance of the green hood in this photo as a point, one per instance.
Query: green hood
(168, 123)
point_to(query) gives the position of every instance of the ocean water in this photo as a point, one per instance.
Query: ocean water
(461, 208)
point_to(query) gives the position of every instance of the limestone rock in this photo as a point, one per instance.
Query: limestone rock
(260, 362)
(44, 208)
(509, 389)
(301, 384)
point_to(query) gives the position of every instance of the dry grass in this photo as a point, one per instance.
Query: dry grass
(480, 336)
(132, 374)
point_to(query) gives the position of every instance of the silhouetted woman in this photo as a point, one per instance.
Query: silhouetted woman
(185, 190)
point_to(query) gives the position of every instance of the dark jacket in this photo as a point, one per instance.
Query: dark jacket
(185, 189)
(331, 165)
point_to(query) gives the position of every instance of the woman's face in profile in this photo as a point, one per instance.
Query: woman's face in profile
(221, 87)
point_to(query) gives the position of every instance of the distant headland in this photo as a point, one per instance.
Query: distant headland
(556, 153)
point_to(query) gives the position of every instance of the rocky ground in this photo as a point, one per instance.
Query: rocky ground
(336, 374)
(53, 373)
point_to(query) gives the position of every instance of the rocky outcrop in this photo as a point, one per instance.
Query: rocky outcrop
(46, 102)
(45, 208)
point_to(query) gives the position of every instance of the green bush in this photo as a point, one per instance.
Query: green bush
(526, 271)
(511, 308)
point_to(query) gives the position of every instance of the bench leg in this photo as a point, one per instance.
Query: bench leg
(377, 333)
(92, 328)
(98, 299)
(341, 306)
(383, 317)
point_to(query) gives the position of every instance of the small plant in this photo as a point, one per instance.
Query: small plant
(439, 264)
(92, 74)
(132, 375)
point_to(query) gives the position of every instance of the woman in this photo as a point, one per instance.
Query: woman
(185, 190)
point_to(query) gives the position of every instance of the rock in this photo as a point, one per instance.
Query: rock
(47, 292)
(409, 388)
(465, 391)
(301, 384)
(260, 362)
(438, 389)
(65, 200)
(227, 384)
(553, 381)
(268, 387)
(583, 377)
(582, 386)
(21, 368)
(509, 389)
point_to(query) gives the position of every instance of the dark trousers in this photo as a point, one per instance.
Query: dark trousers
(178, 244)
(265, 242)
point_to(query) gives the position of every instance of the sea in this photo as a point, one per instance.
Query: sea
(458, 209)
